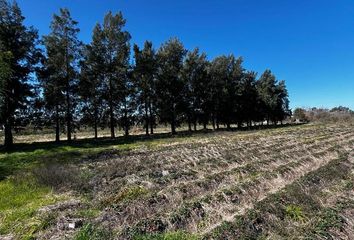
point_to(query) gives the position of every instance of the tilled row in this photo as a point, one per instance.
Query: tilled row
(205, 184)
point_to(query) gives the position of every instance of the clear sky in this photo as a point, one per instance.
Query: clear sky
(308, 43)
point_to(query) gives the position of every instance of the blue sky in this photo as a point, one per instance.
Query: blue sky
(308, 43)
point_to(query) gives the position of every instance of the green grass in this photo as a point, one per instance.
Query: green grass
(92, 232)
(19, 204)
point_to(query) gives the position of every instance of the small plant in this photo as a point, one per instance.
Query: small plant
(295, 213)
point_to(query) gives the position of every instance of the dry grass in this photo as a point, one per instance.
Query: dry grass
(217, 185)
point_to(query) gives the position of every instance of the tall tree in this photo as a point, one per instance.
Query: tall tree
(144, 78)
(116, 52)
(18, 56)
(266, 87)
(92, 79)
(282, 110)
(170, 83)
(196, 90)
(226, 74)
(249, 99)
(63, 54)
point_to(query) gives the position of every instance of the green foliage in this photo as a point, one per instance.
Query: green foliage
(170, 84)
(18, 58)
(328, 218)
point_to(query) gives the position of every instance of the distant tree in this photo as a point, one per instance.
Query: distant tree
(144, 79)
(92, 79)
(116, 52)
(63, 54)
(170, 83)
(300, 114)
(18, 57)
(196, 88)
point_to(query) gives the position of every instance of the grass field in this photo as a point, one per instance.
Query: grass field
(294, 182)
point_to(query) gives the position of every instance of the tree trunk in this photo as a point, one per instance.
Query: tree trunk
(68, 118)
(151, 119)
(189, 124)
(68, 103)
(57, 124)
(111, 119)
(126, 122)
(195, 126)
(8, 135)
(173, 122)
(95, 125)
(146, 118)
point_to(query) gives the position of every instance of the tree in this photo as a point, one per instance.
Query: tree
(249, 99)
(144, 79)
(18, 58)
(92, 79)
(196, 91)
(282, 110)
(266, 87)
(116, 51)
(226, 74)
(63, 54)
(300, 114)
(170, 83)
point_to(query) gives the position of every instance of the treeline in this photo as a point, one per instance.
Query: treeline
(334, 115)
(59, 81)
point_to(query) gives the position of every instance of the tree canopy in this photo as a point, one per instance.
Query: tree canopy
(111, 83)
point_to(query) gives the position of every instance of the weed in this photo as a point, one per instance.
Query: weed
(295, 213)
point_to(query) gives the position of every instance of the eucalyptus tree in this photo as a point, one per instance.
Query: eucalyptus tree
(18, 58)
(62, 64)
(170, 84)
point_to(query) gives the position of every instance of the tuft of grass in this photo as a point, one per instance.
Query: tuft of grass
(127, 194)
(19, 202)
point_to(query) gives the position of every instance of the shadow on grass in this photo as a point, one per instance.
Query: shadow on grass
(26, 155)
(106, 141)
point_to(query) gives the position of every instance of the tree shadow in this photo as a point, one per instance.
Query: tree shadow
(106, 141)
